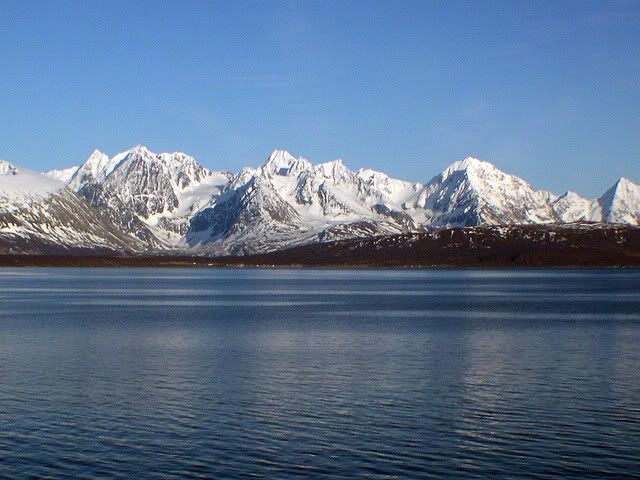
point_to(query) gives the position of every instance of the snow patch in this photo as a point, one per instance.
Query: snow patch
(20, 184)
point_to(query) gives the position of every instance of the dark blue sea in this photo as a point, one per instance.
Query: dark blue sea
(230, 374)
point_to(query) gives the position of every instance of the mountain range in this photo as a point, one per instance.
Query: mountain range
(140, 201)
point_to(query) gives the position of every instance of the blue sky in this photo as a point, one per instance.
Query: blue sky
(546, 90)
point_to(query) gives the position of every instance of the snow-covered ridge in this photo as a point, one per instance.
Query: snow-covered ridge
(22, 184)
(151, 195)
(290, 200)
(168, 200)
(63, 175)
(39, 212)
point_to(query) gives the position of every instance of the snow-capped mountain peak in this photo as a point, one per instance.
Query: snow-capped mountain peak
(472, 191)
(39, 213)
(468, 163)
(290, 200)
(621, 203)
(571, 207)
(140, 149)
(335, 169)
(279, 159)
(476, 171)
(94, 169)
(281, 162)
(168, 200)
(152, 195)
(625, 187)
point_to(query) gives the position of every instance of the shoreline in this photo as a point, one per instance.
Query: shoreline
(80, 261)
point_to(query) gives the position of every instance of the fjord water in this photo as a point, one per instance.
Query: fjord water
(319, 373)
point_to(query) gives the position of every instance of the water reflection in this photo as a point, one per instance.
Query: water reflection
(319, 374)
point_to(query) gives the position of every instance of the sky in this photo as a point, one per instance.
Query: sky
(549, 91)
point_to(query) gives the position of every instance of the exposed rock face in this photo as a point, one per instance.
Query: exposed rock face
(289, 201)
(39, 214)
(148, 195)
(169, 203)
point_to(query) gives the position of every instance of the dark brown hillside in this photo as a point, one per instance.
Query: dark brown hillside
(583, 245)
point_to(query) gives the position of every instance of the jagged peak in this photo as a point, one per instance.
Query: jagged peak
(95, 157)
(622, 187)
(7, 168)
(177, 159)
(96, 153)
(141, 150)
(93, 165)
(621, 203)
(334, 168)
(281, 162)
(280, 153)
(613, 188)
(146, 152)
(279, 158)
(468, 164)
(624, 182)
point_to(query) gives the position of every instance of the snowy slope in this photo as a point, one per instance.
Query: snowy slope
(474, 192)
(63, 175)
(152, 196)
(18, 184)
(39, 214)
(290, 201)
(571, 207)
(169, 201)
(621, 203)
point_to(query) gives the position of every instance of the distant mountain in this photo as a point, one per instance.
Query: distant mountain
(290, 201)
(40, 214)
(621, 203)
(170, 203)
(150, 196)
(473, 192)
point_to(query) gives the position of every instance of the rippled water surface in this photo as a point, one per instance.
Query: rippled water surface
(319, 374)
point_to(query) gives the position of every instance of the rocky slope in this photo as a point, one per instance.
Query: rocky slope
(39, 214)
(150, 196)
(290, 201)
(170, 203)
(576, 245)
